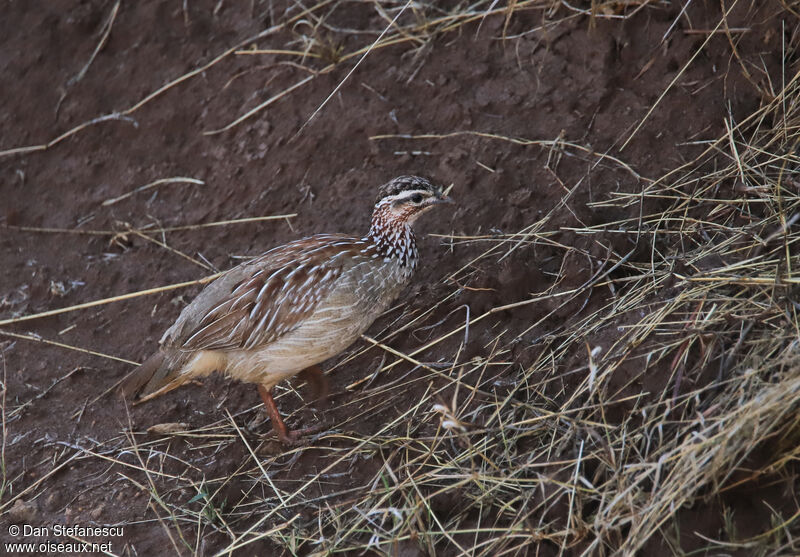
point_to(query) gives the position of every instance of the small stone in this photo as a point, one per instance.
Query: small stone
(53, 501)
(70, 515)
(168, 428)
(23, 512)
(97, 511)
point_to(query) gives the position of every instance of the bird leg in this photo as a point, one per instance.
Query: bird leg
(285, 435)
(316, 379)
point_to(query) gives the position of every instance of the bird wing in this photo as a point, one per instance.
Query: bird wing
(257, 302)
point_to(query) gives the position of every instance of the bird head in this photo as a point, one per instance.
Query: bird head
(405, 198)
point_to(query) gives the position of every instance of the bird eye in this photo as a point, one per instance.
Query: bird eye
(416, 198)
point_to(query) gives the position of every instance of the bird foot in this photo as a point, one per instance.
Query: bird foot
(285, 435)
(294, 437)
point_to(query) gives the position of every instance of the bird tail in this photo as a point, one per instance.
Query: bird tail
(159, 374)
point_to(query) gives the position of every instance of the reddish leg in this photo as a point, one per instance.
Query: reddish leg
(319, 383)
(285, 435)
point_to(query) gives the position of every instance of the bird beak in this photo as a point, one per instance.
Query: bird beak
(442, 198)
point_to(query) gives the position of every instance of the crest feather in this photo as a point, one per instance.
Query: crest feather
(405, 183)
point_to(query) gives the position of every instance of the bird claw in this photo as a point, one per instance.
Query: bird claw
(294, 437)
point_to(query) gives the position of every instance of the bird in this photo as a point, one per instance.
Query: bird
(283, 313)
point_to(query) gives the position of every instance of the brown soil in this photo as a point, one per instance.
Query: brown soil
(586, 81)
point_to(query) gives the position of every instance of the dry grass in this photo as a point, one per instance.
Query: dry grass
(708, 285)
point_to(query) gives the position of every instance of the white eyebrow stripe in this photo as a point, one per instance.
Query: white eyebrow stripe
(403, 195)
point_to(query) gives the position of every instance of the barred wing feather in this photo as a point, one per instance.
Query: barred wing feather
(273, 295)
